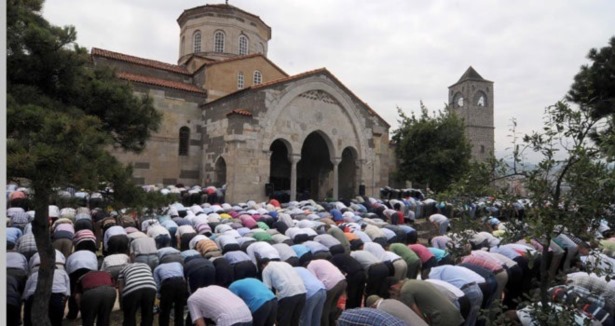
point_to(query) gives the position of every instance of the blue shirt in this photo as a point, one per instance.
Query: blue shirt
(13, 234)
(300, 250)
(312, 284)
(252, 291)
(236, 256)
(168, 270)
(438, 253)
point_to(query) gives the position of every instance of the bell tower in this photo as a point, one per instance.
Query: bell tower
(472, 99)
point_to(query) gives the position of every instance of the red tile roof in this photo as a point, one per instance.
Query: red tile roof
(243, 57)
(241, 112)
(140, 61)
(160, 82)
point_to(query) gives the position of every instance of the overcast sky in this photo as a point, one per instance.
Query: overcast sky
(390, 53)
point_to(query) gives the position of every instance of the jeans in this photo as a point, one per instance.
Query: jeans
(475, 296)
(312, 311)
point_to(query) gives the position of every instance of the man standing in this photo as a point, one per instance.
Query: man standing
(95, 294)
(261, 301)
(137, 290)
(427, 301)
(290, 290)
(355, 278)
(335, 284)
(219, 306)
(171, 286)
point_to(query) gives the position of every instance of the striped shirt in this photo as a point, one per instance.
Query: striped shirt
(26, 243)
(83, 235)
(218, 304)
(136, 276)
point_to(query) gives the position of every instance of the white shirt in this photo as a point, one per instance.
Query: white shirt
(218, 304)
(283, 277)
(81, 259)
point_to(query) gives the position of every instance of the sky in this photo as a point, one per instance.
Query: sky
(390, 53)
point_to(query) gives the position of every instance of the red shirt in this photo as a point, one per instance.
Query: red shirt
(421, 251)
(94, 279)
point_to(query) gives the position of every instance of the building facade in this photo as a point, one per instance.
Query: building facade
(232, 117)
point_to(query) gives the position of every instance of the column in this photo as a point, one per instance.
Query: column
(336, 182)
(294, 159)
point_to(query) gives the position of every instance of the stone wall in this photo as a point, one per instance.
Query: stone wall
(160, 162)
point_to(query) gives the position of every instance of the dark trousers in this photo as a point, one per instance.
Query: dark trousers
(201, 277)
(514, 286)
(330, 310)
(141, 298)
(376, 276)
(73, 309)
(117, 244)
(244, 269)
(289, 310)
(172, 295)
(57, 302)
(527, 273)
(162, 241)
(97, 304)
(265, 315)
(184, 241)
(355, 289)
(336, 249)
(13, 315)
(86, 245)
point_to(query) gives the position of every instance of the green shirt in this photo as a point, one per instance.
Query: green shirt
(404, 252)
(433, 304)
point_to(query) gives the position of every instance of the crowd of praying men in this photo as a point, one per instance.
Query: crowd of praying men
(201, 261)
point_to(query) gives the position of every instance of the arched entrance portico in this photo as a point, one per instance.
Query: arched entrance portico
(348, 173)
(280, 170)
(314, 168)
(220, 172)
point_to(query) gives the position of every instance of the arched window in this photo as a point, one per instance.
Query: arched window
(182, 44)
(184, 141)
(482, 149)
(262, 48)
(258, 78)
(196, 42)
(240, 83)
(243, 45)
(219, 42)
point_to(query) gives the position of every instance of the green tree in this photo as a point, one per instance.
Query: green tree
(594, 90)
(62, 116)
(571, 187)
(433, 150)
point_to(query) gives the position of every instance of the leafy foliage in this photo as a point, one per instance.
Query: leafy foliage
(594, 91)
(433, 150)
(62, 116)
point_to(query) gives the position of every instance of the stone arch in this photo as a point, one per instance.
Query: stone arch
(480, 99)
(348, 173)
(220, 172)
(315, 167)
(280, 104)
(280, 164)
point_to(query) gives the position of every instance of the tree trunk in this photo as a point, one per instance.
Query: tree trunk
(40, 228)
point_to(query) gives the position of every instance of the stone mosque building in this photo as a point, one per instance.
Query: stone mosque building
(232, 117)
